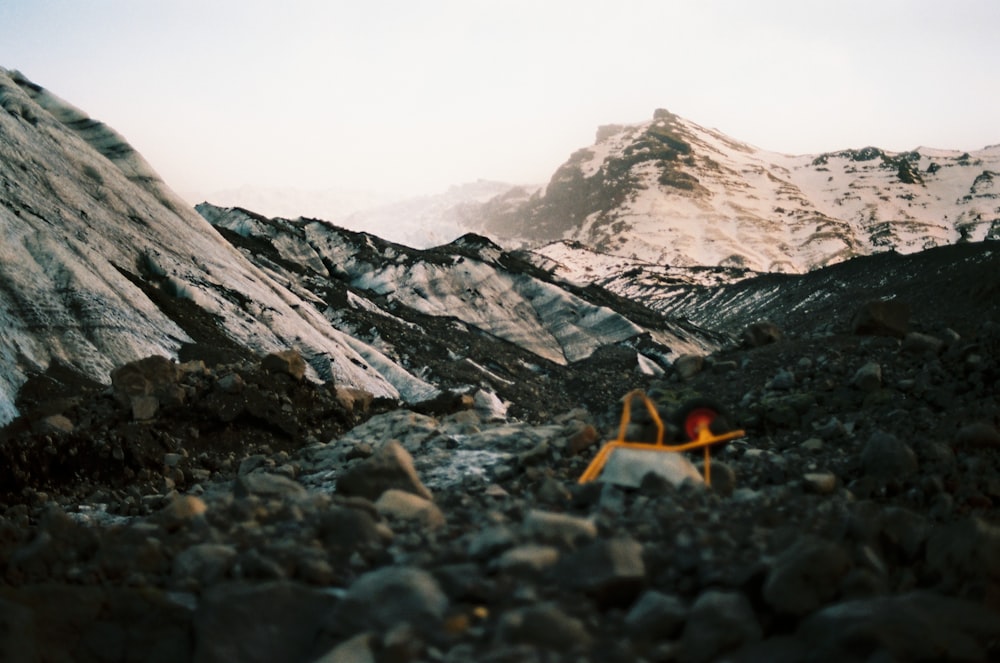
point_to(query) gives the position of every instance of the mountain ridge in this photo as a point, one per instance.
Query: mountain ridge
(669, 191)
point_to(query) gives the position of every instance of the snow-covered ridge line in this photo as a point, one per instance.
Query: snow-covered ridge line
(462, 280)
(671, 192)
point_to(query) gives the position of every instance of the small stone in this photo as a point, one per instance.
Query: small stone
(917, 343)
(231, 383)
(977, 435)
(558, 528)
(784, 380)
(204, 563)
(821, 483)
(583, 438)
(805, 576)
(266, 485)
(688, 365)
(529, 559)
(404, 505)
(181, 510)
(389, 596)
(887, 457)
(359, 649)
(868, 378)
(544, 625)
(611, 571)
(656, 616)
(812, 445)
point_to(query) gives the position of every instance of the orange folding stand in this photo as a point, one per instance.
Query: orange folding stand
(697, 427)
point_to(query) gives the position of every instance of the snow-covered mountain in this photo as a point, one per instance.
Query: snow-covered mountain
(670, 192)
(103, 264)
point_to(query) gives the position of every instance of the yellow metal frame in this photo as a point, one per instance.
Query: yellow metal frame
(705, 440)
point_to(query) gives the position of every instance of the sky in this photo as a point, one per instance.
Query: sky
(413, 96)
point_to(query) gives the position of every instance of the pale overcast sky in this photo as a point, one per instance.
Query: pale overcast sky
(415, 95)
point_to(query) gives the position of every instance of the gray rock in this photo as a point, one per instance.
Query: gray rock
(783, 380)
(868, 377)
(821, 483)
(805, 576)
(917, 343)
(558, 529)
(611, 571)
(268, 486)
(656, 616)
(390, 467)
(389, 596)
(359, 649)
(345, 530)
(490, 541)
(719, 622)
(886, 456)
(400, 504)
(529, 559)
(204, 563)
(544, 625)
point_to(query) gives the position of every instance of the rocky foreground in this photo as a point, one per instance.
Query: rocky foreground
(238, 512)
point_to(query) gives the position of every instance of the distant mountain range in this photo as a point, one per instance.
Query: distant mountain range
(637, 240)
(669, 192)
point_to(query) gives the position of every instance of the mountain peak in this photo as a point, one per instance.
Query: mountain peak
(670, 191)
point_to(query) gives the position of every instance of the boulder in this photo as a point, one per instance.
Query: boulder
(886, 456)
(382, 599)
(390, 467)
(805, 576)
(609, 570)
(719, 622)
